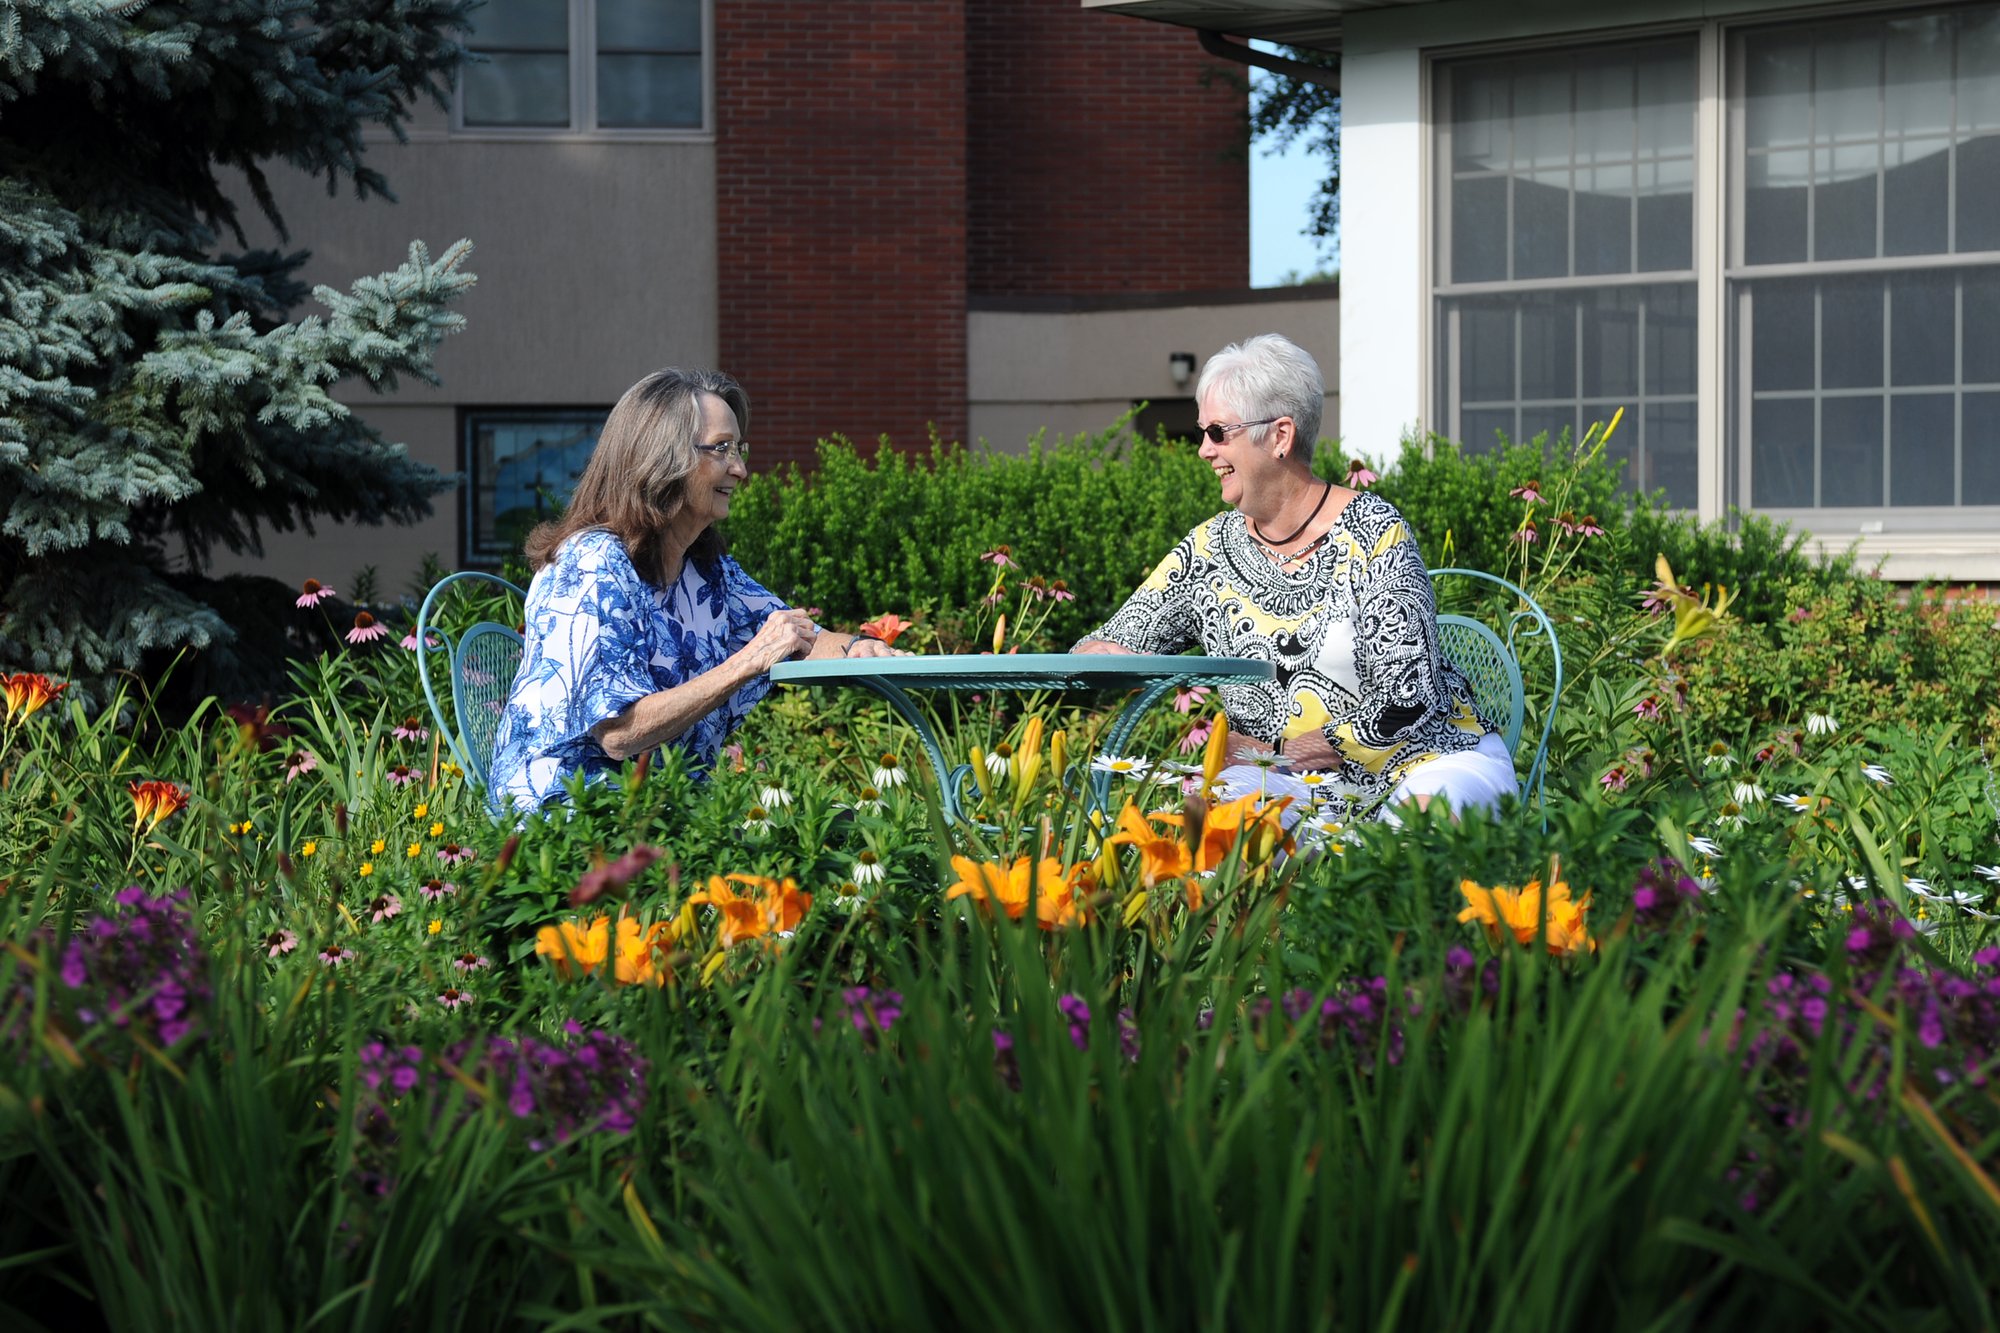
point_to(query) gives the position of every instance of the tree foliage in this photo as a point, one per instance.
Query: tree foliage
(158, 399)
(1284, 110)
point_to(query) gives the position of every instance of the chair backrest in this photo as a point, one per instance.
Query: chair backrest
(1492, 663)
(483, 661)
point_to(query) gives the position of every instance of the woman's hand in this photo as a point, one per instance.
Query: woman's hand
(783, 636)
(863, 646)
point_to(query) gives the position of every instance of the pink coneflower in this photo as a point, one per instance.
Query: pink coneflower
(1000, 556)
(997, 596)
(299, 761)
(313, 593)
(1359, 476)
(451, 853)
(1059, 591)
(1648, 708)
(1194, 740)
(815, 612)
(434, 889)
(280, 941)
(383, 906)
(1526, 534)
(1615, 780)
(412, 729)
(451, 997)
(401, 775)
(1532, 492)
(471, 962)
(1588, 526)
(1187, 700)
(333, 955)
(366, 629)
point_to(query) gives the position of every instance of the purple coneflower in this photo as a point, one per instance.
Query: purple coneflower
(366, 629)
(412, 729)
(1532, 492)
(333, 955)
(401, 775)
(434, 889)
(451, 853)
(451, 997)
(384, 906)
(299, 761)
(313, 593)
(471, 962)
(1359, 476)
(280, 941)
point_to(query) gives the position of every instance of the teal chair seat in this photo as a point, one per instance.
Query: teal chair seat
(1491, 664)
(482, 661)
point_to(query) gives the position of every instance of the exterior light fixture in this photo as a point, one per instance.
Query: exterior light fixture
(1181, 366)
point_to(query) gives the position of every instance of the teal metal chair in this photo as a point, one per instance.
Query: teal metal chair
(1492, 664)
(482, 661)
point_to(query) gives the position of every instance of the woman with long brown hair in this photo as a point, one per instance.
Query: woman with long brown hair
(641, 631)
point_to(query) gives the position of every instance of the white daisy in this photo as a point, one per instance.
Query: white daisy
(888, 774)
(868, 869)
(1821, 724)
(1748, 793)
(1706, 846)
(999, 760)
(1926, 924)
(1962, 898)
(1922, 888)
(1988, 873)
(758, 820)
(1877, 774)
(1122, 767)
(1796, 804)
(1977, 915)
(870, 801)
(1718, 756)
(773, 798)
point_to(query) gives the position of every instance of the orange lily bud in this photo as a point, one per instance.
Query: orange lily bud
(1217, 750)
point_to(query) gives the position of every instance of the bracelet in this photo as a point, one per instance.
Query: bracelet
(850, 645)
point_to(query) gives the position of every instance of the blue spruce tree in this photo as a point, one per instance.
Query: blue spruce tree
(158, 400)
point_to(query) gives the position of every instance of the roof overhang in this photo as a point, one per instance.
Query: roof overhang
(1314, 23)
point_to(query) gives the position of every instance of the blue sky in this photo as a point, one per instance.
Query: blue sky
(1281, 188)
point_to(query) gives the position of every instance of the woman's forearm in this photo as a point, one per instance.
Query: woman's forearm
(665, 714)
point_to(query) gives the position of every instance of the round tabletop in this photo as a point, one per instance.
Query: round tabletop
(1023, 671)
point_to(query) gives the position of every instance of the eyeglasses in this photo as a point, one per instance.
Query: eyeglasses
(1217, 432)
(722, 449)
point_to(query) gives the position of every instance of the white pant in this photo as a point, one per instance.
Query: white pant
(1478, 777)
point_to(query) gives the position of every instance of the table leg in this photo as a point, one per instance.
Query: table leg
(947, 779)
(1121, 732)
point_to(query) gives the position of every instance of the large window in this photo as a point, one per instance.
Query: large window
(520, 467)
(1865, 264)
(585, 66)
(1565, 260)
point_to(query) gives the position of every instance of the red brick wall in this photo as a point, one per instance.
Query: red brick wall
(1100, 162)
(841, 211)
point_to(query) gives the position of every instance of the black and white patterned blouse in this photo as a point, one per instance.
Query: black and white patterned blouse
(1351, 631)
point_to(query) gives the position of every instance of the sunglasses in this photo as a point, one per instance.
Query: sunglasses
(724, 448)
(1217, 432)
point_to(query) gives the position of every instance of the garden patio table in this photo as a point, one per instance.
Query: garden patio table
(1153, 676)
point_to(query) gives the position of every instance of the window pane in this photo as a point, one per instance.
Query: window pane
(1541, 225)
(1666, 102)
(1479, 131)
(649, 91)
(1604, 220)
(1979, 71)
(1850, 452)
(1484, 428)
(1486, 358)
(529, 23)
(1554, 422)
(649, 25)
(522, 470)
(1605, 131)
(1982, 450)
(1670, 340)
(1850, 331)
(1979, 193)
(1916, 71)
(1548, 349)
(1921, 468)
(1774, 208)
(1844, 201)
(517, 89)
(1923, 328)
(1541, 114)
(1666, 215)
(1479, 229)
(1777, 86)
(1916, 200)
(1611, 348)
(1847, 78)
(1781, 344)
(1781, 454)
(1670, 451)
(1982, 329)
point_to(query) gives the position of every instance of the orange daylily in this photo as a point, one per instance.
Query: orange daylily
(27, 692)
(579, 948)
(777, 908)
(575, 947)
(887, 627)
(641, 949)
(1162, 856)
(1053, 887)
(153, 801)
(1258, 823)
(1519, 911)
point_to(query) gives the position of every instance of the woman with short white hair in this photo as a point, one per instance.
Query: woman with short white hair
(1327, 585)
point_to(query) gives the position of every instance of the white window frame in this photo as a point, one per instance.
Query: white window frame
(471, 554)
(583, 126)
(1958, 542)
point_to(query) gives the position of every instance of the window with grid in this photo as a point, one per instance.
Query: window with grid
(1865, 264)
(584, 65)
(520, 468)
(1565, 251)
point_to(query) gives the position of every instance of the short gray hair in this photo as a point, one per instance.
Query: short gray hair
(1268, 376)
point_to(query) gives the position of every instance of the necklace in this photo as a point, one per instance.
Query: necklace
(1268, 542)
(1300, 554)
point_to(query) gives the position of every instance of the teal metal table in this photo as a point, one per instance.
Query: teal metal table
(893, 678)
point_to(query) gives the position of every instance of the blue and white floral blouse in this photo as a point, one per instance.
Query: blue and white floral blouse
(599, 639)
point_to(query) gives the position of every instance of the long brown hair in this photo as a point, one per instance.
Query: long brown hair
(636, 479)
